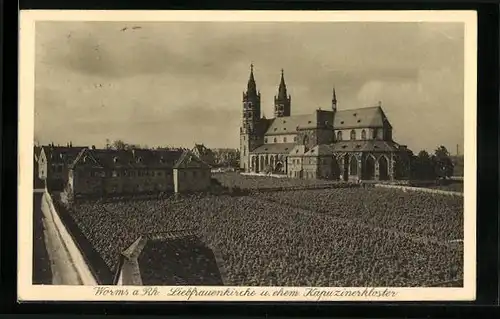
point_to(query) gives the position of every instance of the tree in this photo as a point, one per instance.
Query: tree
(422, 167)
(443, 165)
(119, 145)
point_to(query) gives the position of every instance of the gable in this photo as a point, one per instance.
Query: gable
(190, 160)
(85, 159)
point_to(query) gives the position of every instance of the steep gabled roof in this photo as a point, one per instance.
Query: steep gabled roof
(168, 259)
(276, 148)
(60, 154)
(137, 158)
(189, 160)
(360, 146)
(360, 117)
(290, 124)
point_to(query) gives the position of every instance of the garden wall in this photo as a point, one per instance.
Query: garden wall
(420, 189)
(77, 260)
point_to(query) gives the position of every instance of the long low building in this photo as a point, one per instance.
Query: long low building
(89, 171)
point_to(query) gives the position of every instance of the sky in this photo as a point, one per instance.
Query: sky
(180, 83)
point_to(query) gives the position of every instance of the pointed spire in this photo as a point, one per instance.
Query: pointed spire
(334, 100)
(251, 87)
(282, 95)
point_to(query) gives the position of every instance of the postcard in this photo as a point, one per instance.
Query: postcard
(247, 156)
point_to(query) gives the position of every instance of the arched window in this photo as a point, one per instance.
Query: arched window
(339, 136)
(275, 140)
(353, 135)
(305, 140)
(363, 135)
(284, 139)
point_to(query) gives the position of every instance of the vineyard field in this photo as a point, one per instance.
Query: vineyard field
(331, 237)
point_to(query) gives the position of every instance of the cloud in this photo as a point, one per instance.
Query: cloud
(171, 81)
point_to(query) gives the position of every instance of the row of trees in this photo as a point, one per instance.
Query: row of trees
(425, 166)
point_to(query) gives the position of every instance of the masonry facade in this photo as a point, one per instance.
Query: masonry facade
(353, 144)
(113, 172)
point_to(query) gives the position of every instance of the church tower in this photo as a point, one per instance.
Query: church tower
(282, 101)
(249, 134)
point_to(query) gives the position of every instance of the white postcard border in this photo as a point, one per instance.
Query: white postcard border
(29, 292)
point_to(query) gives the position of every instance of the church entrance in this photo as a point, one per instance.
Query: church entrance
(383, 168)
(369, 168)
(353, 166)
(345, 173)
(335, 169)
(279, 168)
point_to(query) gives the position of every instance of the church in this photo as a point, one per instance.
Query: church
(348, 145)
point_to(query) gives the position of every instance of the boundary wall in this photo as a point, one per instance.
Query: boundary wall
(77, 260)
(420, 189)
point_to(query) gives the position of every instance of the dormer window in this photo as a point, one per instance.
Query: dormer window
(355, 114)
(342, 122)
(139, 160)
(309, 122)
(275, 129)
(359, 121)
(115, 159)
(284, 129)
(284, 121)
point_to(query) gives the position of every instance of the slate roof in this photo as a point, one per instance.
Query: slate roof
(355, 146)
(187, 159)
(276, 148)
(62, 154)
(361, 117)
(170, 259)
(290, 124)
(137, 158)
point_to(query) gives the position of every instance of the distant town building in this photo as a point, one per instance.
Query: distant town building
(53, 164)
(354, 144)
(204, 153)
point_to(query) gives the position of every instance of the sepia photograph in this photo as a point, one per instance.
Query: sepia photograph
(278, 156)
